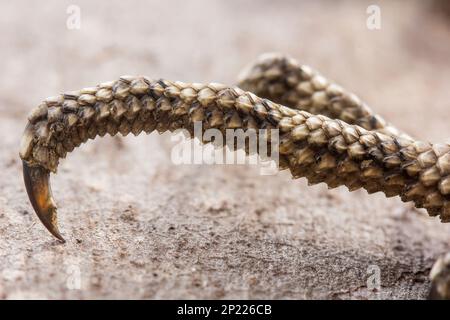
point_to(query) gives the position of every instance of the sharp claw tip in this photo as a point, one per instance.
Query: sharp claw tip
(39, 192)
(55, 232)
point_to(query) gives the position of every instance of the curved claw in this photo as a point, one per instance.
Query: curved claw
(37, 183)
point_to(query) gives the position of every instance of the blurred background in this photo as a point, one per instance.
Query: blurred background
(140, 227)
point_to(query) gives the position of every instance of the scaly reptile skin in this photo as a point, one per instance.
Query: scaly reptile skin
(326, 134)
(283, 80)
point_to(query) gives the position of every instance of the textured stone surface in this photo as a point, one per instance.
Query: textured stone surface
(156, 230)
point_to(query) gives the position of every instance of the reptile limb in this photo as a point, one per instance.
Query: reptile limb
(326, 133)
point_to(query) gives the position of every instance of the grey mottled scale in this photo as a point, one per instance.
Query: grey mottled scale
(312, 146)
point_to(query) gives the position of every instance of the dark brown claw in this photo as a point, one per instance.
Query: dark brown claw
(37, 183)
